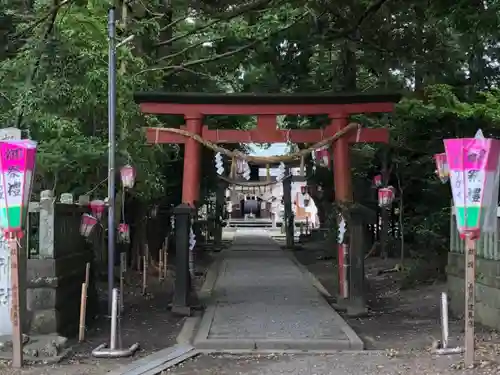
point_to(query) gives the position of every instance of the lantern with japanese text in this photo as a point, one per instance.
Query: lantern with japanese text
(442, 169)
(377, 180)
(127, 174)
(386, 196)
(87, 224)
(124, 233)
(18, 164)
(97, 206)
(474, 177)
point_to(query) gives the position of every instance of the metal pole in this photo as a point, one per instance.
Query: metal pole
(111, 152)
(444, 320)
(114, 319)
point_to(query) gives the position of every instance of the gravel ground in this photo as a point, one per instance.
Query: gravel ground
(339, 364)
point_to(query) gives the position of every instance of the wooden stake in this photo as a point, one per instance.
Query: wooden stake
(83, 312)
(17, 335)
(470, 302)
(123, 269)
(160, 265)
(165, 263)
(87, 273)
(144, 275)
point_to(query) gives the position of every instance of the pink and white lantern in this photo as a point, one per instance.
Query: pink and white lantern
(97, 206)
(386, 196)
(322, 157)
(87, 225)
(127, 174)
(474, 178)
(442, 168)
(124, 233)
(377, 180)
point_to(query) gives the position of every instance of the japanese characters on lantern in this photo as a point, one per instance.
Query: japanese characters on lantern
(17, 158)
(474, 177)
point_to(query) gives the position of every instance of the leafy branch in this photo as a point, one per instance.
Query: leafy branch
(220, 56)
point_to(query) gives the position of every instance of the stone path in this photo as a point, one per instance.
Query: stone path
(262, 300)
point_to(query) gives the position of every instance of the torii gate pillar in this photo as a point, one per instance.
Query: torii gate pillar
(192, 161)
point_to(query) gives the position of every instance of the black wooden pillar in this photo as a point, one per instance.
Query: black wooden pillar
(183, 214)
(287, 201)
(359, 218)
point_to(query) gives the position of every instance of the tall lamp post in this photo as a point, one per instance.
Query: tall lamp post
(112, 46)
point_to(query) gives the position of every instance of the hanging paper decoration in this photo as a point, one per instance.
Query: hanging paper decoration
(474, 178)
(281, 172)
(442, 169)
(192, 244)
(377, 180)
(124, 233)
(386, 196)
(246, 171)
(127, 174)
(87, 224)
(219, 164)
(97, 206)
(18, 163)
(313, 158)
(341, 231)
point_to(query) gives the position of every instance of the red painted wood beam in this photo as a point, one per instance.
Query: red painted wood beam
(367, 135)
(270, 109)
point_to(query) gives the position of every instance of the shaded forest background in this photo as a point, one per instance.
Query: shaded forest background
(441, 54)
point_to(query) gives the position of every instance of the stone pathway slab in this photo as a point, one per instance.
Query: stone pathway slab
(262, 300)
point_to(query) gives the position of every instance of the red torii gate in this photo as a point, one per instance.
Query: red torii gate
(193, 106)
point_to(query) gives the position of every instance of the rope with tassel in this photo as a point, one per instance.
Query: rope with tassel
(260, 159)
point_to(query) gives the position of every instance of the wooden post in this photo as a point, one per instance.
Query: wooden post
(123, 269)
(83, 312)
(144, 274)
(160, 265)
(17, 335)
(470, 302)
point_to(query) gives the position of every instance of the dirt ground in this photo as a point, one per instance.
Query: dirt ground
(398, 331)
(146, 320)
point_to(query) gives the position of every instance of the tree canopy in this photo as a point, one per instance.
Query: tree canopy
(442, 54)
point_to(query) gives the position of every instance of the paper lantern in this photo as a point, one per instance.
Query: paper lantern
(474, 177)
(442, 169)
(17, 164)
(124, 233)
(322, 157)
(386, 196)
(127, 174)
(97, 206)
(87, 224)
(377, 180)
